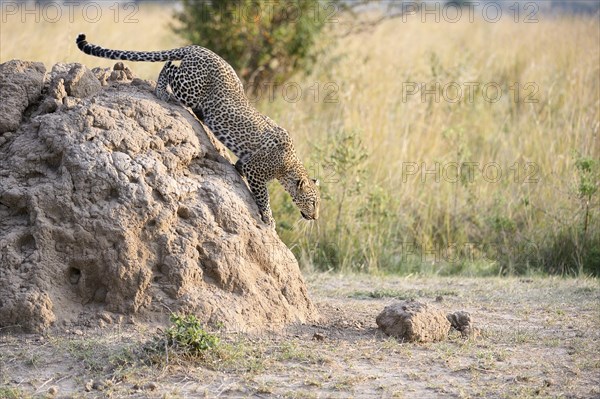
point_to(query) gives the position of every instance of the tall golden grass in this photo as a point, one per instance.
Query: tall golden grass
(531, 218)
(47, 33)
(376, 147)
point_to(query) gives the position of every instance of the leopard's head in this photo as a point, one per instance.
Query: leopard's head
(307, 197)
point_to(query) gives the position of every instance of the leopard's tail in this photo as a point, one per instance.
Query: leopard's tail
(149, 56)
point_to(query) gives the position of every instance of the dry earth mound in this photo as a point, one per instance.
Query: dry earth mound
(114, 203)
(414, 321)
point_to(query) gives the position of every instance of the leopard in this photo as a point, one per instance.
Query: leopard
(209, 86)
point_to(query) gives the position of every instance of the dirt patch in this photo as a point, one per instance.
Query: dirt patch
(539, 339)
(116, 207)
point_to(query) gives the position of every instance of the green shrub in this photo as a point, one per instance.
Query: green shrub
(264, 41)
(184, 340)
(574, 245)
(188, 336)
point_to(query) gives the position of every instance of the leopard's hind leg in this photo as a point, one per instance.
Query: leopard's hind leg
(165, 76)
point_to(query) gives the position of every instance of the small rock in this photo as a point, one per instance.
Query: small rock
(121, 72)
(53, 390)
(414, 321)
(80, 82)
(459, 320)
(462, 322)
(78, 332)
(102, 74)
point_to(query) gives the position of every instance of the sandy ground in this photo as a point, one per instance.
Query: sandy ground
(540, 337)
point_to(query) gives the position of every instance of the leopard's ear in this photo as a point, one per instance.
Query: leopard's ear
(316, 181)
(301, 183)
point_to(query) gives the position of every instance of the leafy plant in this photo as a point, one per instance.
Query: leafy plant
(588, 245)
(347, 162)
(264, 41)
(588, 170)
(184, 339)
(188, 336)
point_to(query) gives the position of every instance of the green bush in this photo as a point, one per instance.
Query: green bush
(184, 341)
(187, 335)
(264, 41)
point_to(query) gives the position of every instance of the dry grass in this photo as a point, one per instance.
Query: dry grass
(35, 37)
(531, 218)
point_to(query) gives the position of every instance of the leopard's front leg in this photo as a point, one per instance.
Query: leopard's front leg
(247, 167)
(261, 196)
